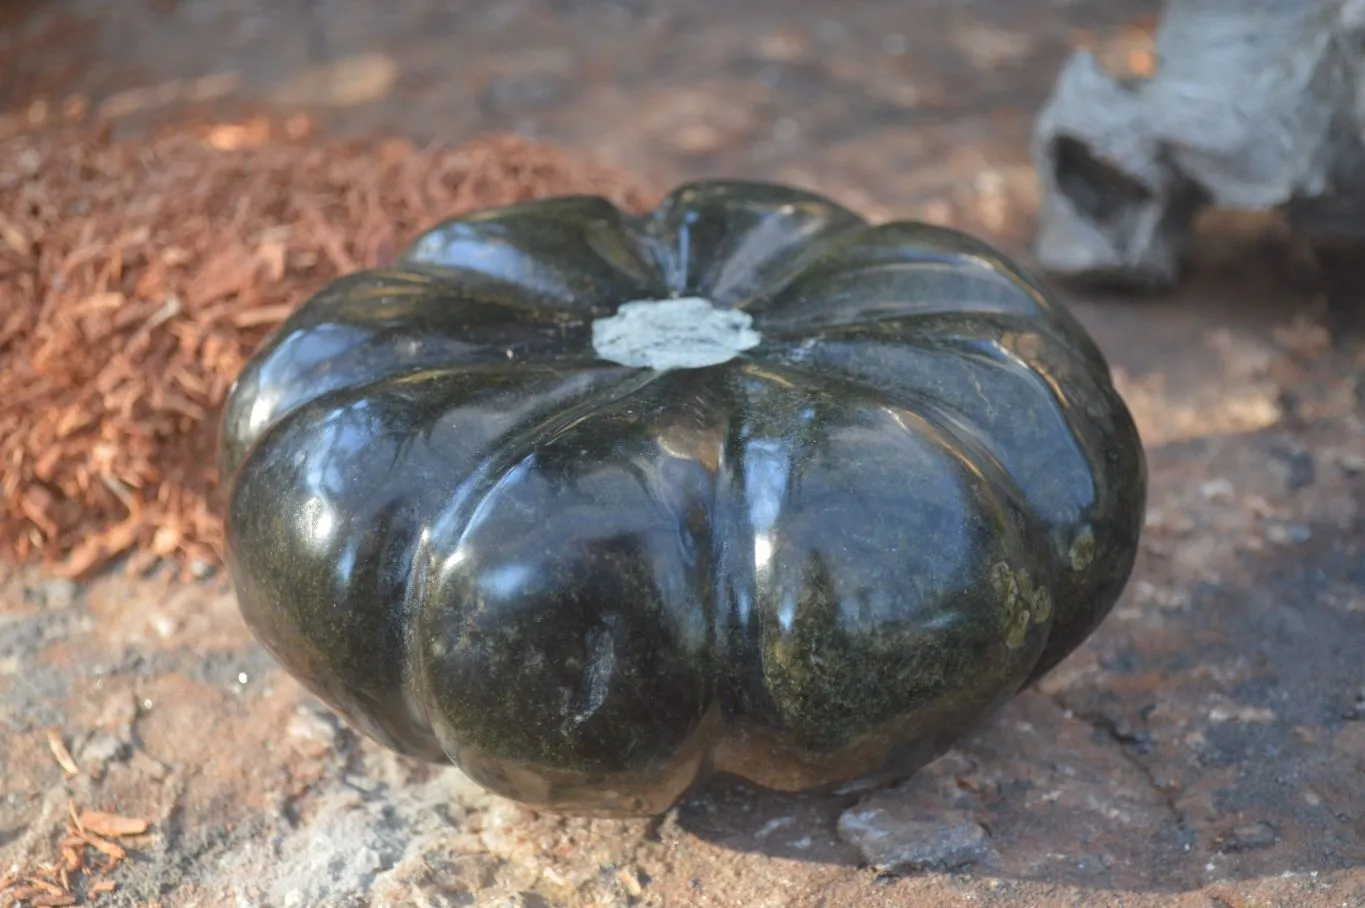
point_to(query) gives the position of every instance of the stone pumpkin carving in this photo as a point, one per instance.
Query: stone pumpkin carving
(594, 505)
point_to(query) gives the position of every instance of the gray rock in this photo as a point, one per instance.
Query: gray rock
(353, 842)
(58, 593)
(103, 747)
(895, 838)
(1251, 837)
(1256, 105)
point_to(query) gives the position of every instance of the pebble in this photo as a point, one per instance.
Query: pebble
(313, 731)
(58, 593)
(1217, 489)
(102, 748)
(1251, 837)
(1289, 533)
(892, 840)
(1301, 470)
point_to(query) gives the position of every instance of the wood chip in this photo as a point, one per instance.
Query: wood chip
(138, 277)
(63, 756)
(111, 824)
(15, 238)
(40, 886)
(113, 852)
(50, 883)
(72, 859)
(52, 901)
(264, 315)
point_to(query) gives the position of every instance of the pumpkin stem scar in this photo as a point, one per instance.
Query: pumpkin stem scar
(684, 333)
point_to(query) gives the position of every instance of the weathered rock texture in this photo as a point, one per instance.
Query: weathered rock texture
(1254, 104)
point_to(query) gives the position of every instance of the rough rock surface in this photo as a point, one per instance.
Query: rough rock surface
(1252, 106)
(894, 837)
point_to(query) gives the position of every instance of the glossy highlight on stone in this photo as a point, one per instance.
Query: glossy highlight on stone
(815, 565)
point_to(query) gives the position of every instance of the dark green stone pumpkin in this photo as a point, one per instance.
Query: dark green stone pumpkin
(594, 505)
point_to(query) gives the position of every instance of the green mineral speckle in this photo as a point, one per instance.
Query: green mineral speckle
(1022, 603)
(1082, 549)
(1040, 601)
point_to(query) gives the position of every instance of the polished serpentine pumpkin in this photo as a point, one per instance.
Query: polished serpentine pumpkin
(595, 505)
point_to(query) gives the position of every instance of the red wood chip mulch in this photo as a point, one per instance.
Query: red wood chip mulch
(137, 277)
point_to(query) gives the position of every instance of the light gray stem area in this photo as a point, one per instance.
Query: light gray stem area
(684, 333)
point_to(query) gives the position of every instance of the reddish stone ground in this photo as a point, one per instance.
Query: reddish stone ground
(1205, 748)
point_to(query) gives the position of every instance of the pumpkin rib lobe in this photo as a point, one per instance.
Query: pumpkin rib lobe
(1058, 446)
(725, 241)
(849, 591)
(574, 588)
(575, 254)
(306, 551)
(903, 251)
